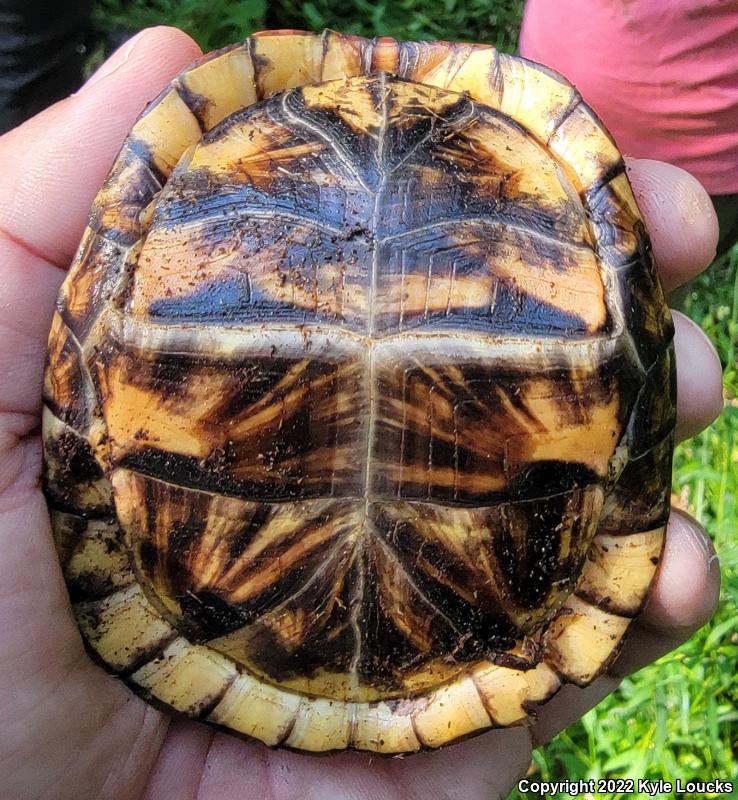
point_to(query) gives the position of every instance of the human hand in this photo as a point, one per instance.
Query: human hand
(70, 730)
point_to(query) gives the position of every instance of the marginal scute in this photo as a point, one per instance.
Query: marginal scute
(583, 145)
(257, 709)
(93, 279)
(536, 98)
(508, 694)
(342, 56)
(93, 555)
(385, 55)
(164, 132)
(467, 68)
(130, 187)
(321, 725)
(378, 727)
(73, 478)
(450, 713)
(617, 222)
(582, 640)
(220, 86)
(644, 307)
(421, 59)
(654, 414)
(640, 498)
(189, 678)
(123, 628)
(619, 570)
(68, 530)
(285, 60)
(65, 382)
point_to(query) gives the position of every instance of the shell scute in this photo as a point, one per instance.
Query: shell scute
(220, 86)
(164, 132)
(130, 187)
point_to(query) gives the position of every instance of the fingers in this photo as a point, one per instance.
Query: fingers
(699, 378)
(54, 164)
(28, 289)
(679, 216)
(682, 601)
(180, 763)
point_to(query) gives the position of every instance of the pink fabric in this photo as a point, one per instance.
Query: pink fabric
(662, 74)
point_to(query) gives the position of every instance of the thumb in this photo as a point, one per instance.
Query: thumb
(117, 59)
(54, 164)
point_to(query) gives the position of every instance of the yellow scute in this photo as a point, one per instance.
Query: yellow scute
(138, 416)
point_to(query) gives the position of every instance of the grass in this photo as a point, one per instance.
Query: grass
(679, 717)
(214, 23)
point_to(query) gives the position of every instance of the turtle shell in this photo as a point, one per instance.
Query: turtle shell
(360, 397)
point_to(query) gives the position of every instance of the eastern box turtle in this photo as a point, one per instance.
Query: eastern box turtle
(360, 399)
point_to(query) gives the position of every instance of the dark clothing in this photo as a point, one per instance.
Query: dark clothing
(726, 206)
(42, 52)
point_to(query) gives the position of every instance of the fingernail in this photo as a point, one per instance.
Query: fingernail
(114, 63)
(688, 322)
(700, 543)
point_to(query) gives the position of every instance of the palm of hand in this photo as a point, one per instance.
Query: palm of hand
(69, 730)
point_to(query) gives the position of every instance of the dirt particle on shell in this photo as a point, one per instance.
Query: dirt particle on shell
(219, 459)
(407, 707)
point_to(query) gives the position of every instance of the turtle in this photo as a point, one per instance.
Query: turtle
(360, 396)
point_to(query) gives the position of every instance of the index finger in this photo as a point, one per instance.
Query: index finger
(679, 216)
